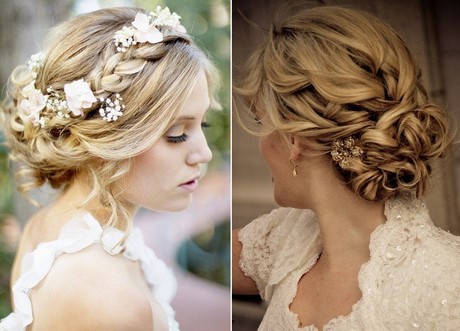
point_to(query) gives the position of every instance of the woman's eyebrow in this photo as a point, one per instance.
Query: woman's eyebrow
(185, 118)
(190, 117)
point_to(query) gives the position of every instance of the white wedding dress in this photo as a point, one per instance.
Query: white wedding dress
(411, 282)
(78, 234)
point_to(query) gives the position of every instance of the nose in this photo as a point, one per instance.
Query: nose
(201, 153)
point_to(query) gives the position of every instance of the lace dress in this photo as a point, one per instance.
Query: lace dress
(411, 282)
(81, 232)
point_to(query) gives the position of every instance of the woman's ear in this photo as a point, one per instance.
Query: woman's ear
(297, 147)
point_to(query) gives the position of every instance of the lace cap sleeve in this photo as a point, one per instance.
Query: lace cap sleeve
(412, 279)
(277, 243)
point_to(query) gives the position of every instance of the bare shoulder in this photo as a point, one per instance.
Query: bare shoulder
(92, 290)
(33, 227)
(29, 240)
(41, 228)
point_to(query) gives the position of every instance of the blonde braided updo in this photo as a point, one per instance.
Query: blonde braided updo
(329, 73)
(153, 79)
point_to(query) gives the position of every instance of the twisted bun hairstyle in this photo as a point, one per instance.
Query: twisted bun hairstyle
(154, 81)
(329, 73)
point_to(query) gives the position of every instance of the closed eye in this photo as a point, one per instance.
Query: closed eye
(177, 139)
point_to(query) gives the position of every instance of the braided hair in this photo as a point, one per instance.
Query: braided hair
(154, 81)
(329, 73)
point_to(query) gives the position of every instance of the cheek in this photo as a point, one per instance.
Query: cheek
(154, 177)
(150, 170)
(147, 164)
(265, 148)
(273, 151)
(146, 160)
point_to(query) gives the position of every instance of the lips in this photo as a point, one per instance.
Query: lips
(191, 185)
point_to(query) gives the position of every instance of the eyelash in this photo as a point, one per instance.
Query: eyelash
(183, 137)
(177, 139)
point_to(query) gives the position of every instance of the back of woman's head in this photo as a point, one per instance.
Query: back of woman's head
(329, 74)
(153, 81)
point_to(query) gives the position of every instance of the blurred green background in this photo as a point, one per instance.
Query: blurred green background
(23, 25)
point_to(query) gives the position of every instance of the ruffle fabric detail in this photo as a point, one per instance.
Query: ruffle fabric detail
(78, 234)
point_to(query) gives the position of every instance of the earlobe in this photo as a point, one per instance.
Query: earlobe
(296, 148)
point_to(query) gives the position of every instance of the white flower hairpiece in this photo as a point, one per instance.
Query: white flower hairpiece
(39, 108)
(35, 63)
(111, 109)
(78, 95)
(145, 28)
(33, 103)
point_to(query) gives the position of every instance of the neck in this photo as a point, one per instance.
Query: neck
(74, 199)
(346, 221)
(346, 225)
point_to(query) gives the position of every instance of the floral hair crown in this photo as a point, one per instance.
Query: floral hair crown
(39, 108)
(145, 28)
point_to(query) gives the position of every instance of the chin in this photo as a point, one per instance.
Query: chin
(281, 200)
(172, 206)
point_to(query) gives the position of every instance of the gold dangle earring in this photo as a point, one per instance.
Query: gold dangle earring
(294, 171)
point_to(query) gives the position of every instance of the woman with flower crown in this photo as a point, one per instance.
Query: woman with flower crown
(111, 113)
(349, 137)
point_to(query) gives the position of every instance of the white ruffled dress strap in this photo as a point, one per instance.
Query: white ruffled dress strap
(159, 277)
(78, 234)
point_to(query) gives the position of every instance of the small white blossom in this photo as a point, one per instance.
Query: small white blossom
(111, 110)
(36, 62)
(146, 32)
(78, 95)
(42, 122)
(145, 28)
(39, 108)
(33, 103)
